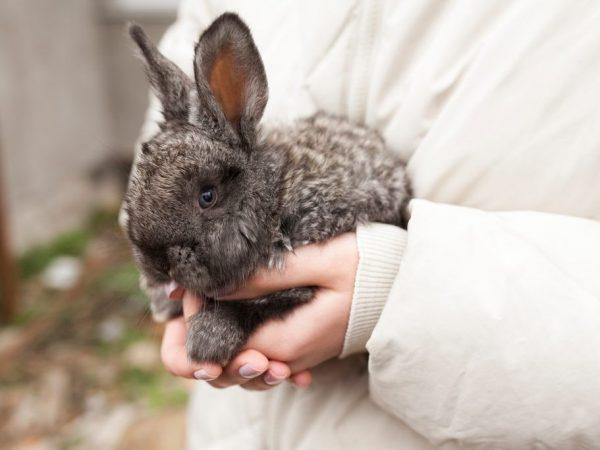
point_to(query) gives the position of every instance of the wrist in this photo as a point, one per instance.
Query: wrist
(380, 250)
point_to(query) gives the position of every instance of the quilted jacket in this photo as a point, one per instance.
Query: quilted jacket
(479, 327)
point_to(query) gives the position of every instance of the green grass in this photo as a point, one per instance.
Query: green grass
(131, 335)
(71, 243)
(35, 260)
(25, 316)
(121, 280)
(156, 387)
(101, 218)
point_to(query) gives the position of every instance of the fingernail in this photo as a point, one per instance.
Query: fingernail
(271, 380)
(203, 375)
(248, 372)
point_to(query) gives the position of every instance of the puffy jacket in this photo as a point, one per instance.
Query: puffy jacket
(475, 328)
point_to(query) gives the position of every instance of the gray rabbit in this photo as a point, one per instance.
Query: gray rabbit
(215, 196)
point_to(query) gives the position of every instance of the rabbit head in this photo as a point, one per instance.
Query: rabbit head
(199, 203)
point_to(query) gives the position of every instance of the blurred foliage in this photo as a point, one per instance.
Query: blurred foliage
(71, 243)
(112, 348)
(122, 280)
(91, 330)
(101, 218)
(36, 259)
(156, 387)
(24, 316)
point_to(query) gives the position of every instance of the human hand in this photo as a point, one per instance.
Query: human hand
(287, 348)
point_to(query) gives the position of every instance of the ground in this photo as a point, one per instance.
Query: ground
(80, 364)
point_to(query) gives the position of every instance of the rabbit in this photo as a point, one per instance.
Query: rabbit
(216, 196)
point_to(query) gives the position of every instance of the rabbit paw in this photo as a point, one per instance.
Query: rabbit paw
(214, 336)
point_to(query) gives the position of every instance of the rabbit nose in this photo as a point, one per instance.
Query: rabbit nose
(179, 255)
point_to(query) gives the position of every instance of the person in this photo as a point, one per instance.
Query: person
(478, 327)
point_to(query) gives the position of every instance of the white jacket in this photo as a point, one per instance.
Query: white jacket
(482, 329)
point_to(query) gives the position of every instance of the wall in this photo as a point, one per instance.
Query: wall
(71, 96)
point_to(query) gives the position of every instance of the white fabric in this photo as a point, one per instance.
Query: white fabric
(380, 251)
(490, 335)
(495, 103)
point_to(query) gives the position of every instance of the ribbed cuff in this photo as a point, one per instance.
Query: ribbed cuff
(380, 251)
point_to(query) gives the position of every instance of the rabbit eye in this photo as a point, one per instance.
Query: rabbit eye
(208, 196)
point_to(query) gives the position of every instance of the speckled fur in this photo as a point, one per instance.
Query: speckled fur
(277, 189)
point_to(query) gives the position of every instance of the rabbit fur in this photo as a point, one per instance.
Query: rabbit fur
(271, 189)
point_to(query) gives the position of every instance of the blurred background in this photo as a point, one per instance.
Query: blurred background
(79, 356)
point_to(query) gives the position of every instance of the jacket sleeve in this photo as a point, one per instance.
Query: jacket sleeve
(490, 335)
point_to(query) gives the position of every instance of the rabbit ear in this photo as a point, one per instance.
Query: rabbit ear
(169, 82)
(230, 76)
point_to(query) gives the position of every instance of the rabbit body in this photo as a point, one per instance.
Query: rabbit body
(331, 175)
(263, 191)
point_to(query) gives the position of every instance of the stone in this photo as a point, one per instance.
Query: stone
(111, 329)
(45, 408)
(63, 273)
(101, 428)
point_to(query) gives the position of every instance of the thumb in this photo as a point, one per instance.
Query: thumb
(191, 304)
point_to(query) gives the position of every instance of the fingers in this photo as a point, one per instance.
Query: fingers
(246, 366)
(276, 374)
(302, 379)
(173, 351)
(174, 355)
(311, 265)
(246, 370)
(306, 266)
(249, 367)
(191, 304)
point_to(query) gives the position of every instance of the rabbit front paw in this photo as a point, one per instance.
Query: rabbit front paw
(214, 336)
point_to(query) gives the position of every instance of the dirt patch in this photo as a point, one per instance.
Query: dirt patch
(84, 370)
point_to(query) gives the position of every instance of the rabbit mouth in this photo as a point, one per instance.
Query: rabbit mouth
(173, 290)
